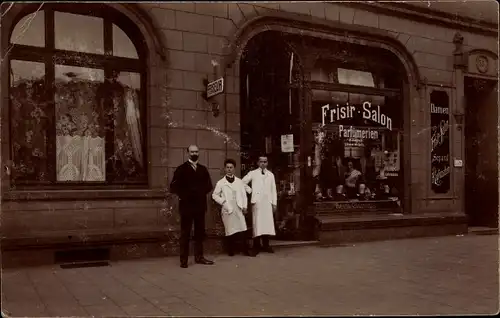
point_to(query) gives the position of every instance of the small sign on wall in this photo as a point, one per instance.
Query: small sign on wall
(458, 163)
(287, 143)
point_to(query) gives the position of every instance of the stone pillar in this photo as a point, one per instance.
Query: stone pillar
(457, 134)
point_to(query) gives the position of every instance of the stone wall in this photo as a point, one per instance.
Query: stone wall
(195, 35)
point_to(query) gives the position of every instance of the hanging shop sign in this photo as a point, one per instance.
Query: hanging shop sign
(367, 111)
(215, 88)
(287, 143)
(440, 142)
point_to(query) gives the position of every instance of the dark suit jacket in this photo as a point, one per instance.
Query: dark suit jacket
(191, 187)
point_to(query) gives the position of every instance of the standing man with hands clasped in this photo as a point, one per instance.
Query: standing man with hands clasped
(264, 200)
(191, 183)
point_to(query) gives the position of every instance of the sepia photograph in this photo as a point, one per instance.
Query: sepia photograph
(287, 158)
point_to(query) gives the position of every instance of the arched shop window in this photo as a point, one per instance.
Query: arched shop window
(77, 97)
(357, 117)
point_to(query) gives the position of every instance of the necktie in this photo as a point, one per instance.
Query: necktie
(263, 173)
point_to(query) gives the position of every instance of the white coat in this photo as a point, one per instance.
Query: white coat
(233, 199)
(264, 196)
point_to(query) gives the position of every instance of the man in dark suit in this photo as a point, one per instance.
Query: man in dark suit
(191, 183)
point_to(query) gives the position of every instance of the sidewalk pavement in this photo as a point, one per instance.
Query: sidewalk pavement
(429, 276)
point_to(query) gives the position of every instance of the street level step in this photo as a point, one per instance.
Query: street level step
(482, 230)
(285, 244)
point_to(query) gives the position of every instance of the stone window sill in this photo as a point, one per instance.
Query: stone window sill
(87, 194)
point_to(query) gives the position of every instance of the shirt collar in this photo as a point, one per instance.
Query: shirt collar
(194, 163)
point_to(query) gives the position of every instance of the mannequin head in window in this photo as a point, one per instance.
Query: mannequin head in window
(386, 189)
(350, 165)
(339, 189)
(361, 188)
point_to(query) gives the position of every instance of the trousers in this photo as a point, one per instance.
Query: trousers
(237, 242)
(189, 218)
(257, 242)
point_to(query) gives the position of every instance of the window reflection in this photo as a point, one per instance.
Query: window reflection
(79, 33)
(29, 121)
(122, 45)
(30, 30)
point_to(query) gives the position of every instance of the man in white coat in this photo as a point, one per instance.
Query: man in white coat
(231, 193)
(264, 201)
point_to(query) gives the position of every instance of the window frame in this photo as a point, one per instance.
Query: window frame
(51, 57)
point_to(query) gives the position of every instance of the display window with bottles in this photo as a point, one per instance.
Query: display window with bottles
(357, 142)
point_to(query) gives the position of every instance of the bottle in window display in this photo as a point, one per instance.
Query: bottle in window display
(385, 192)
(339, 193)
(364, 192)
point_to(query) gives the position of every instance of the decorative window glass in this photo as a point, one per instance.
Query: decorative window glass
(29, 30)
(77, 114)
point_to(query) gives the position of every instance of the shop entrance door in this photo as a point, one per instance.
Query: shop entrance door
(481, 152)
(270, 117)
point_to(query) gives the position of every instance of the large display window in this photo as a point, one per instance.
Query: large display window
(357, 152)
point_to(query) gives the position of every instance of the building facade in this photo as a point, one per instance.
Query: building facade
(100, 101)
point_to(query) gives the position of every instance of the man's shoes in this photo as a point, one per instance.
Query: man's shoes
(203, 261)
(231, 253)
(184, 265)
(268, 249)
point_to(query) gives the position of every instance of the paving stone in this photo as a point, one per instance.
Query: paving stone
(66, 310)
(180, 309)
(105, 310)
(142, 308)
(429, 276)
(24, 308)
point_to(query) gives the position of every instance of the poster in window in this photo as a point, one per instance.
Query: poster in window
(287, 143)
(440, 142)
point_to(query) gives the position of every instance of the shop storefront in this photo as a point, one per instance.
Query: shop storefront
(359, 106)
(333, 126)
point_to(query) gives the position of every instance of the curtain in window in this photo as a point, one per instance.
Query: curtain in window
(84, 116)
(128, 156)
(80, 154)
